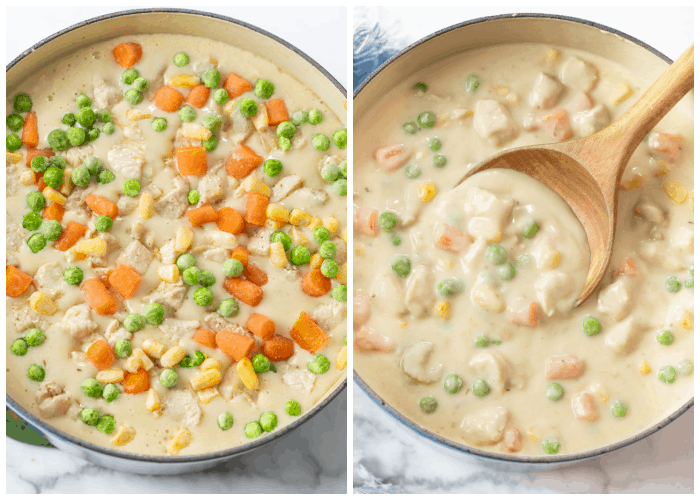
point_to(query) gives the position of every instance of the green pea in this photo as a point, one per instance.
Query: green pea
(168, 378)
(53, 177)
(343, 167)
(300, 255)
(32, 221)
(93, 134)
(76, 136)
(110, 393)
(191, 276)
(685, 367)
(36, 372)
(123, 347)
(225, 421)
(203, 297)
(340, 138)
(550, 446)
(299, 118)
(247, 107)
(472, 83)
(221, 96)
(35, 337)
(93, 164)
(292, 408)
(272, 167)
(58, 162)
(212, 121)
(667, 374)
(22, 103)
(481, 341)
(319, 364)
(198, 358)
(36, 201)
(73, 275)
(90, 416)
(68, 119)
(103, 115)
(13, 143)
(130, 75)
(413, 171)
(85, 117)
(401, 265)
(228, 307)
(211, 77)
(181, 59)
(395, 239)
(554, 392)
(36, 242)
(39, 164)
(439, 161)
(428, 404)
(186, 362)
(450, 286)
(252, 430)
(284, 143)
(91, 388)
(410, 128)
(321, 142)
(664, 337)
(58, 140)
(131, 187)
(184, 261)
(80, 176)
(340, 293)
(105, 176)
(496, 255)
(140, 84)
(14, 122)
(103, 223)
(618, 409)
(321, 235)
(420, 87)
(207, 278)
(340, 187)
(530, 229)
(591, 326)
(452, 383)
(188, 114)
(19, 347)
(159, 124)
(134, 322)
(234, 267)
(133, 97)
(689, 282)
(153, 313)
(51, 230)
(672, 284)
(106, 424)
(506, 272)
(427, 119)
(480, 388)
(329, 268)
(315, 117)
(434, 143)
(263, 88)
(327, 250)
(260, 363)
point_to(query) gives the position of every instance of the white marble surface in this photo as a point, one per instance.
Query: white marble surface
(388, 457)
(311, 459)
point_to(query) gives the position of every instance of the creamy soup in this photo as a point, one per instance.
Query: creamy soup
(176, 263)
(464, 314)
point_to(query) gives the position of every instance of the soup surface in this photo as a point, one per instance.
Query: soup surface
(463, 297)
(168, 290)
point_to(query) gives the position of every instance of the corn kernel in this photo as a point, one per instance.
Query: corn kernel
(27, 178)
(183, 80)
(195, 131)
(298, 236)
(210, 364)
(181, 439)
(152, 400)
(261, 120)
(501, 90)
(330, 223)
(92, 246)
(341, 361)
(345, 235)
(634, 182)
(342, 275)
(314, 223)
(277, 212)
(146, 205)
(621, 93)
(360, 250)
(644, 368)
(299, 218)
(443, 310)
(133, 363)
(230, 106)
(316, 261)
(661, 168)
(12, 158)
(273, 224)
(252, 184)
(675, 191)
(688, 321)
(552, 56)
(247, 373)
(146, 362)
(427, 191)
(124, 435)
(603, 396)
(183, 238)
(67, 187)
(110, 376)
(42, 303)
(207, 379)
(531, 434)
(53, 195)
(278, 256)
(172, 356)
(153, 348)
(134, 115)
(550, 259)
(207, 395)
(169, 273)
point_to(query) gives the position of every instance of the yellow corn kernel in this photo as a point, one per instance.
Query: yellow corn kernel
(230, 106)
(341, 361)
(330, 223)
(403, 324)
(261, 120)
(124, 435)
(134, 115)
(443, 310)
(42, 303)
(12, 158)
(27, 178)
(634, 182)
(621, 93)
(277, 212)
(210, 364)
(273, 224)
(181, 439)
(133, 363)
(146, 205)
(360, 250)
(675, 191)
(688, 321)
(169, 273)
(661, 168)
(252, 184)
(172, 356)
(195, 131)
(152, 400)
(345, 235)
(314, 223)
(92, 246)
(146, 362)
(110, 376)
(603, 396)
(298, 236)
(53, 195)
(512, 99)
(496, 238)
(342, 275)
(427, 191)
(183, 80)
(299, 218)
(247, 373)
(278, 256)
(67, 187)
(207, 379)
(183, 238)
(531, 434)
(644, 368)
(551, 259)
(207, 395)
(316, 261)
(552, 56)
(501, 89)
(153, 348)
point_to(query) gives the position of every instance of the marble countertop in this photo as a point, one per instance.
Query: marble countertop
(390, 458)
(311, 459)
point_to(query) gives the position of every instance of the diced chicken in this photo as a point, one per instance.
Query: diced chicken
(545, 254)
(76, 156)
(12, 183)
(555, 292)
(329, 315)
(480, 202)
(411, 208)
(361, 309)
(181, 405)
(584, 408)
(386, 293)
(579, 74)
(369, 339)
(484, 295)
(285, 186)
(341, 250)
(168, 294)
(49, 279)
(585, 123)
(493, 122)
(216, 322)
(222, 239)
(259, 242)
(298, 379)
(14, 237)
(77, 322)
(137, 256)
(649, 210)
(128, 157)
(580, 102)
(392, 157)
(681, 238)
(545, 92)
(420, 291)
(218, 255)
(211, 188)
(492, 368)
(485, 426)
(415, 360)
(616, 299)
(623, 337)
(563, 367)
(176, 329)
(241, 127)
(126, 205)
(105, 96)
(174, 203)
(167, 253)
(52, 399)
(24, 317)
(657, 253)
(512, 441)
(232, 386)
(307, 198)
(115, 335)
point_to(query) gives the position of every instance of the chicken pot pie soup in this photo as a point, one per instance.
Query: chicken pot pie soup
(176, 246)
(464, 314)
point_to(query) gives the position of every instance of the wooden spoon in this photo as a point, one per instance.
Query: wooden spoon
(586, 172)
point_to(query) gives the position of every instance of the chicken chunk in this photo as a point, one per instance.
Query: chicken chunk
(176, 329)
(420, 295)
(623, 337)
(181, 405)
(126, 205)
(168, 294)
(329, 315)
(579, 74)
(415, 360)
(369, 339)
(49, 279)
(259, 243)
(77, 322)
(484, 295)
(545, 92)
(129, 156)
(52, 399)
(493, 122)
(167, 253)
(174, 203)
(555, 292)
(386, 293)
(14, 237)
(616, 299)
(211, 188)
(105, 95)
(285, 186)
(485, 426)
(137, 256)
(24, 317)
(492, 368)
(307, 198)
(298, 379)
(585, 123)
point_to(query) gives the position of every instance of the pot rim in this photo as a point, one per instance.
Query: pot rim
(45, 428)
(469, 450)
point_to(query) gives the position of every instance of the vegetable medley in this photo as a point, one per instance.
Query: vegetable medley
(176, 246)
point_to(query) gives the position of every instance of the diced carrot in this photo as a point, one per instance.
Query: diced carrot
(255, 350)
(365, 220)
(136, 383)
(665, 145)
(202, 215)
(127, 54)
(244, 290)
(30, 130)
(563, 366)
(253, 273)
(102, 206)
(523, 312)
(100, 354)
(307, 334)
(16, 281)
(191, 160)
(168, 99)
(278, 348)
(450, 238)
(627, 268)
(242, 161)
(584, 408)
(205, 337)
(54, 211)
(240, 253)
(361, 309)
(42, 184)
(97, 297)
(230, 220)
(256, 209)
(369, 339)
(125, 280)
(512, 441)
(580, 102)
(233, 345)
(556, 125)
(315, 284)
(32, 152)
(391, 157)
(276, 112)
(70, 236)
(262, 326)
(235, 85)
(198, 96)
